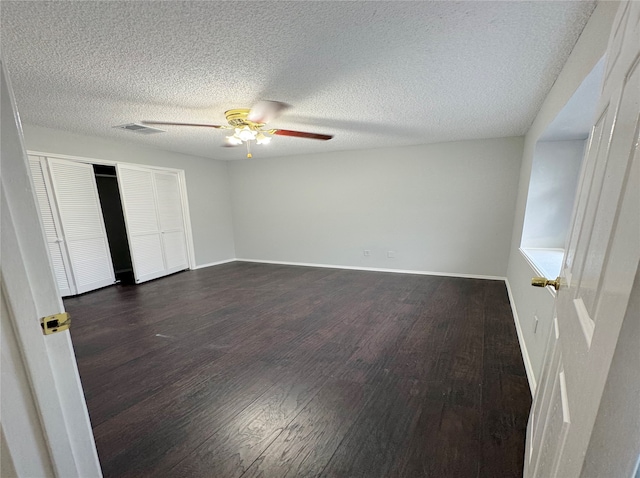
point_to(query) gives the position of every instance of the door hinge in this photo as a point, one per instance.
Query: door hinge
(55, 323)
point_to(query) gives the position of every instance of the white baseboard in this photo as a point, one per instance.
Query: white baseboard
(375, 269)
(202, 266)
(523, 346)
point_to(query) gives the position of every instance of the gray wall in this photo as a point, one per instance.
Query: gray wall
(207, 182)
(444, 207)
(529, 301)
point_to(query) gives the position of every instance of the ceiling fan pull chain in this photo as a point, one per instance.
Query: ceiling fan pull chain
(249, 155)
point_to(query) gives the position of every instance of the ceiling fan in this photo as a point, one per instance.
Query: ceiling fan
(248, 125)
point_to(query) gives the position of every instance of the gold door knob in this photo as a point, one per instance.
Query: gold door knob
(544, 282)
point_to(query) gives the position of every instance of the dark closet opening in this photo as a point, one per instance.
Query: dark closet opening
(111, 204)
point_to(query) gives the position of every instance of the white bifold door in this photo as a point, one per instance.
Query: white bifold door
(52, 228)
(82, 224)
(152, 203)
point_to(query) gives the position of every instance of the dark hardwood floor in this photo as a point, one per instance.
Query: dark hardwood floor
(260, 370)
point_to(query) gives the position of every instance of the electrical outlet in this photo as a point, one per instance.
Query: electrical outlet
(366, 252)
(391, 254)
(535, 324)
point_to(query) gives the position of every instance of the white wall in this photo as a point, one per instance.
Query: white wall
(444, 207)
(552, 189)
(207, 182)
(530, 302)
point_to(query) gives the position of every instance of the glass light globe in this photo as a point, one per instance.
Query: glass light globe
(246, 134)
(262, 139)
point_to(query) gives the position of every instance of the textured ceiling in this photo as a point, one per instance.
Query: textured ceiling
(372, 73)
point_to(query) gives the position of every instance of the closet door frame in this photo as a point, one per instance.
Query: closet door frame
(57, 222)
(186, 217)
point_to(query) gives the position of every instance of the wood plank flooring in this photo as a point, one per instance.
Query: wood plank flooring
(254, 370)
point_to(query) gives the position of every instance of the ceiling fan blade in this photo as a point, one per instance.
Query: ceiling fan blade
(167, 123)
(265, 111)
(229, 145)
(302, 134)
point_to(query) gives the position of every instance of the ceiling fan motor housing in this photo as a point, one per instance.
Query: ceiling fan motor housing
(238, 118)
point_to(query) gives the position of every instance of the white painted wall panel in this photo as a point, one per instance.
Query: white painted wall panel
(618, 421)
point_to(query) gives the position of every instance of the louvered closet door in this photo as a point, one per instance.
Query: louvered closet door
(52, 229)
(169, 203)
(76, 195)
(141, 217)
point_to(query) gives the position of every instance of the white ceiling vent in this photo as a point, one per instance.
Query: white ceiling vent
(139, 128)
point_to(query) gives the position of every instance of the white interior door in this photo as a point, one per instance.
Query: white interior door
(45, 424)
(76, 194)
(600, 264)
(170, 216)
(51, 223)
(141, 217)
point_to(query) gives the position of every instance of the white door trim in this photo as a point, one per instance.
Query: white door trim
(105, 162)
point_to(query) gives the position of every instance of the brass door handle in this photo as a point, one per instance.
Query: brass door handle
(544, 282)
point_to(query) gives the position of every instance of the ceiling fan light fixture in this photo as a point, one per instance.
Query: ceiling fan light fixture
(262, 139)
(247, 125)
(246, 134)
